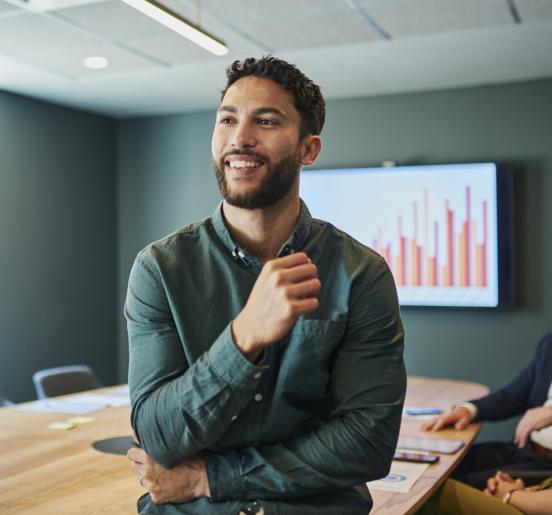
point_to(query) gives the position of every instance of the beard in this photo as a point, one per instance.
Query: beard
(275, 185)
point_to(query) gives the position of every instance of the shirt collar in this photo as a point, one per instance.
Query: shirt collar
(294, 243)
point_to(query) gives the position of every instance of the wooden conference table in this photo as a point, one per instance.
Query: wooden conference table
(50, 472)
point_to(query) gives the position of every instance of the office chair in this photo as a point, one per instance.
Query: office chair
(4, 401)
(63, 380)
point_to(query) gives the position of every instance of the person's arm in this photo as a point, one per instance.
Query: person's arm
(513, 491)
(178, 409)
(512, 399)
(357, 444)
(532, 420)
(532, 503)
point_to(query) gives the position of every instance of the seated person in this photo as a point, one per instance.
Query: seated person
(530, 394)
(455, 498)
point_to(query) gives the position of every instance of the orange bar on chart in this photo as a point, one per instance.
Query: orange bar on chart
(431, 272)
(461, 259)
(398, 270)
(413, 263)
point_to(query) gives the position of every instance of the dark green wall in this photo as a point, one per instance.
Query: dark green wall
(165, 181)
(81, 194)
(57, 240)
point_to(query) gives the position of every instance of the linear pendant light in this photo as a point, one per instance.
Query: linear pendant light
(180, 25)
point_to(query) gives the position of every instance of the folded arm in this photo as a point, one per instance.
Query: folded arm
(357, 444)
(179, 409)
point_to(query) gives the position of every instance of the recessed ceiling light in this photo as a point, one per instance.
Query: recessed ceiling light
(96, 62)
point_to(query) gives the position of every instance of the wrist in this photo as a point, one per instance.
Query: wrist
(470, 408)
(243, 341)
(205, 490)
(507, 497)
(202, 486)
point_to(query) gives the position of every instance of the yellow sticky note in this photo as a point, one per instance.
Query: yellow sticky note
(61, 426)
(80, 420)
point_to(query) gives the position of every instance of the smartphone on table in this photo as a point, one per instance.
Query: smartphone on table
(415, 457)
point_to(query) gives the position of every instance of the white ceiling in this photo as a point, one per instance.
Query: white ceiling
(349, 47)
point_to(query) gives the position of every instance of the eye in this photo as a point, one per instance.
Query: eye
(226, 120)
(266, 121)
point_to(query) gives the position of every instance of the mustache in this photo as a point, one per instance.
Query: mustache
(245, 152)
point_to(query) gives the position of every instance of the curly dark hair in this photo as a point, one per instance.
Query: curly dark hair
(306, 94)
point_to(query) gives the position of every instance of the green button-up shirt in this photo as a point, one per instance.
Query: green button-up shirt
(318, 413)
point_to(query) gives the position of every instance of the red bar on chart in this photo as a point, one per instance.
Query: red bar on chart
(449, 281)
(467, 228)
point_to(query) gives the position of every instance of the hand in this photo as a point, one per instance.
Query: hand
(182, 483)
(501, 483)
(286, 288)
(458, 417)
(535, 418)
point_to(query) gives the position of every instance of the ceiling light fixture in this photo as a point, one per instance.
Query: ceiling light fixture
(180, 25)
(96, 62)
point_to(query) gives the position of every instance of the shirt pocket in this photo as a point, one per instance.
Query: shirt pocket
(307, 356)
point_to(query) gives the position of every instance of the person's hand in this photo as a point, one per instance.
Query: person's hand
(182, 483)
(458, 417)
(501, 483)
(533, 419)
(286, 288)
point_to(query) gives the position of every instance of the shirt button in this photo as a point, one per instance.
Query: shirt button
(257, 375)
(258, 397)
(234, 417)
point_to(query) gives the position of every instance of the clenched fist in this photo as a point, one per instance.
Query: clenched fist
(286, 288)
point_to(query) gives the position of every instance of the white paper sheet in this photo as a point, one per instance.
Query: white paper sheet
(401, 478)
(108, 399)
(62, 406)
(81, 403)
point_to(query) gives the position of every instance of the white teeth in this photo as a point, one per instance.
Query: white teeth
(243, 164)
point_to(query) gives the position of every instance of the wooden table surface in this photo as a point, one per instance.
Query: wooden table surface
(50, 472)
(440, 393)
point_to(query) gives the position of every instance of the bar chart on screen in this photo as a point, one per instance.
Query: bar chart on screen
(436, 226)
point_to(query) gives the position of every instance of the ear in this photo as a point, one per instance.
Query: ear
(310, 148)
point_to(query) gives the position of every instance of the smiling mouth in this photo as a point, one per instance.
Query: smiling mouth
(242, 162)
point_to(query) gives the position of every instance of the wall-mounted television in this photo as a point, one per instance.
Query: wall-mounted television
(444, 230)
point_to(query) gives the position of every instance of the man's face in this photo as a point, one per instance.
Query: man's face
(256, 149)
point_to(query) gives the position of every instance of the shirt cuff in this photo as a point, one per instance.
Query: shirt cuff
(223, 476)
(232, 366)
(472, 408)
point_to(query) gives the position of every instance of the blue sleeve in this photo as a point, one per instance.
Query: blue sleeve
(527, 390)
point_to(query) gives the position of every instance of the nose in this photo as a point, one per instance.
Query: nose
(244, 136)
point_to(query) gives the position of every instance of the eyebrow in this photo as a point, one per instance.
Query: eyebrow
(256, 112)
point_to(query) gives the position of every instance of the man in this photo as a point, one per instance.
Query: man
(530, 394)
(266, 370)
